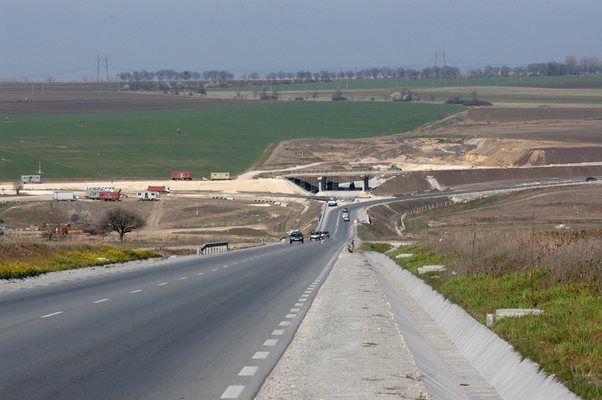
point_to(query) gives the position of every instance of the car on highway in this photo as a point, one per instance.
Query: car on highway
(314, 235)
(590, 178)
(324, 235)
(345, 217)
(296, 236)
(332, 202)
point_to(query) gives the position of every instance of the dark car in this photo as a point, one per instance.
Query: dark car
(296, 236)
(324, 235)
(314, 235)
(590, 178)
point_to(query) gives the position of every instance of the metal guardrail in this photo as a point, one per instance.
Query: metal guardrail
(212, 248)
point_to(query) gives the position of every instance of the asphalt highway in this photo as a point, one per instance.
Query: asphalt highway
(207, 327)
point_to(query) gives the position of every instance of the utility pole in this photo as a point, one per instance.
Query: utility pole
(97, 69)
(107, 70)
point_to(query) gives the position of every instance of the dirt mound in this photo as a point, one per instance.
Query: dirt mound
(467, 178)
(562, 155)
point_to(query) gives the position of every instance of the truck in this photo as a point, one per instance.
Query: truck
(109, 196)
(93, 192)
(147, 195)
(159, 189)
(63, 196)
(31, 178)
(180, 176)
(219, 176)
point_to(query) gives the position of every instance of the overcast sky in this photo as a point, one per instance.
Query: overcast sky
(64, 37)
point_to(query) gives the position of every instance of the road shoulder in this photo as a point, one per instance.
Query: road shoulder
(348, 346)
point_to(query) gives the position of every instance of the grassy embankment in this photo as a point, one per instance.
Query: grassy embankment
(21, 260)
(566, 340)
(210, 138)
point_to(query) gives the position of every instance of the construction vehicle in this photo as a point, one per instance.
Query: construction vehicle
(159, 189)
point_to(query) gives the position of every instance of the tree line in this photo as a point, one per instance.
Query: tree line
(571, 66)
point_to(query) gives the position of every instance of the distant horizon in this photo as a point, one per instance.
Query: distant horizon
(239, 73)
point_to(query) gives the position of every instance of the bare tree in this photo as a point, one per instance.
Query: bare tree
(18, 186)
(121, 221)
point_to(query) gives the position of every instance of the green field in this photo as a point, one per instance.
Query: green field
(365, 84)
(212, 138)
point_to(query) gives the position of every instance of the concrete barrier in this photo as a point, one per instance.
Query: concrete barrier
(513, 376)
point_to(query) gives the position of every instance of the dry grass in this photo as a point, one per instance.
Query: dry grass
(566, 256)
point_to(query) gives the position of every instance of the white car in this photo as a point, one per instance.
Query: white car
(332, 202)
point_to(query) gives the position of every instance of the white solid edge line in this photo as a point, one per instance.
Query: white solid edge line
(100, 301)
(51, 315)
(233, 392)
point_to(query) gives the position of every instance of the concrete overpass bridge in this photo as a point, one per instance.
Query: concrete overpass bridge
(337, 179)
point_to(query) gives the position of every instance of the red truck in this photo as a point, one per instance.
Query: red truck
(109, 196)
(160, 189)
(181, 176)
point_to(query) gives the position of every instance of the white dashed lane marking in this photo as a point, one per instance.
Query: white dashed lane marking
(290, 316)
(184, 277)
(214, 269)
(100, 301)
(162, 284)
(298, 304)
(233, 392)
(284, 323)
(302, 300)
(200, 273)
(261, 355)
(136, 291)
(51, 315)
(248, 371)
(278, 332)
(295, 310)
(270, 342)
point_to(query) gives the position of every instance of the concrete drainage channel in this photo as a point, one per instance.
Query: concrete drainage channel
(459, 357)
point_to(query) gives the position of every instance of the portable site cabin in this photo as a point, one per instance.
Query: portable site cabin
(220, 176)
(147, 195)
(93, 192)
(31, 178)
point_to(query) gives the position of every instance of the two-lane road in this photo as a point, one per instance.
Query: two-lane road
(202, 328)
